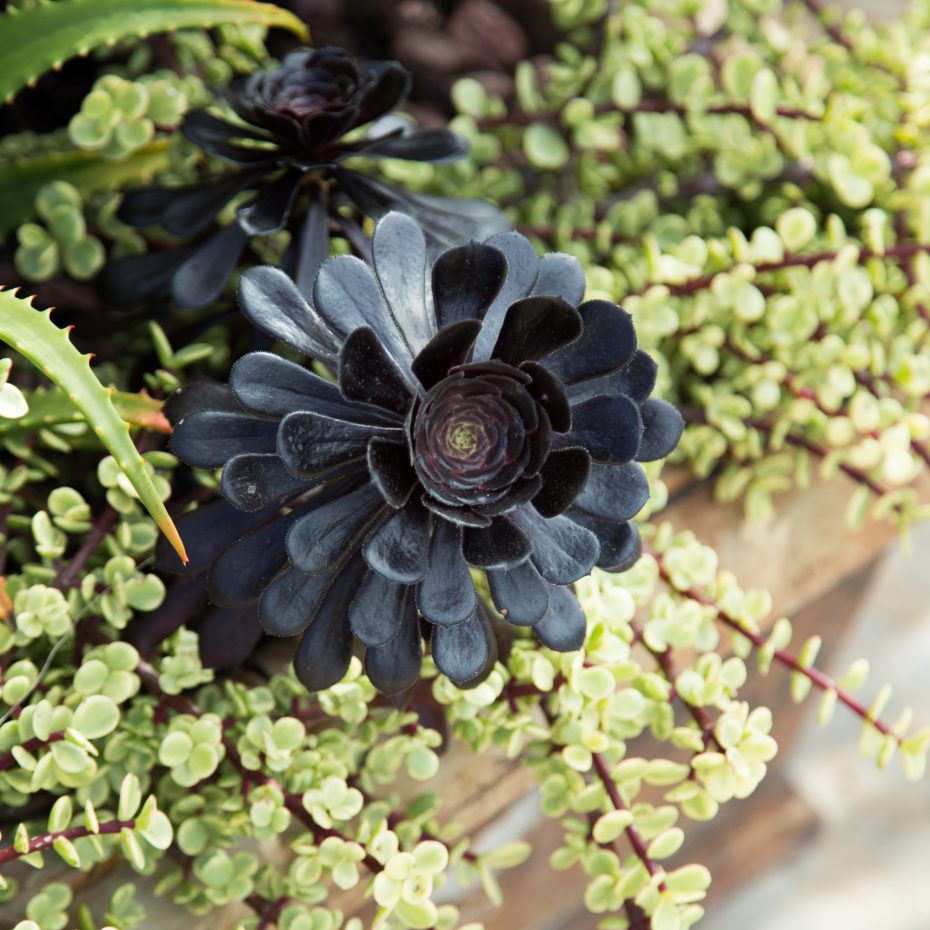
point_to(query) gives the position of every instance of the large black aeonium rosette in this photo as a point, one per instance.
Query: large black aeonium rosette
(290, 149)
(490, 421)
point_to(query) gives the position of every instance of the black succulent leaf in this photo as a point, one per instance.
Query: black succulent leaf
(290, 149)
(484, 417)
(227, 634)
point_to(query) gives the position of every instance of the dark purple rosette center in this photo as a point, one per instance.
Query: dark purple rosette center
(476, 436)
(319, 82)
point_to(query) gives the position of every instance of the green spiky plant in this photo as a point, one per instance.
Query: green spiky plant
(751, 186)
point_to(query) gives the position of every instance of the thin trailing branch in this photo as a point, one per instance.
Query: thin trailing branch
(900, 250)
(68, 576)
(5, 511)
(719, 109)
(522, 118)
(8, 760)
(818, 678)
(632, 834)
(869, 383)
(670, 670)
(38, 843)
(816, 10)
(610, 787)
(268, 911)
(694, 415)
(791, 385)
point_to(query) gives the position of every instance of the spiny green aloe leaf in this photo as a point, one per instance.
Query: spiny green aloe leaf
(32, 333)
(22, 178)
(42, 37)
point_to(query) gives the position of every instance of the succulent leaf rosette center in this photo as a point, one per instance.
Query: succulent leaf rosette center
(474, 435)
(484, 416)
(294, 140)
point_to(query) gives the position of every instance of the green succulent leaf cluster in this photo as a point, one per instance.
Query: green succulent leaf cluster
(118, 117)
(62, 242)
(757, 214)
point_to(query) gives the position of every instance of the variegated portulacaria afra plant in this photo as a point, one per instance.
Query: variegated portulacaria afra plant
(399, 400)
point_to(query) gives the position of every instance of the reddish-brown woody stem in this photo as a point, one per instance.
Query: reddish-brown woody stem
(632, 834)
(821, 680)
(38, 843)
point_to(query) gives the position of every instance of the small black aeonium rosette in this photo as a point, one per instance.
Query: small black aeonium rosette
(290, 149)
(490, 421)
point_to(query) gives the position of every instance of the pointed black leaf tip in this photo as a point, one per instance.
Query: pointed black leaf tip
(463, 652)
(534, 327)
(391, 471)
(564, 475)
(662, 428)
(606, 344)
(449, 348)
(368, 375)
(610, 428)
(500, 546)
(564, 627)
(466, 280)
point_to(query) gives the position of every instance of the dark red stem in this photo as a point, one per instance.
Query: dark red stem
(819, 679)
(632, 834)
(38, 843)
(702, 282)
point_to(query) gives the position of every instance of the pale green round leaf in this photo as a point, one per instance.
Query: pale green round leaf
(96, 716)
(545, 147)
